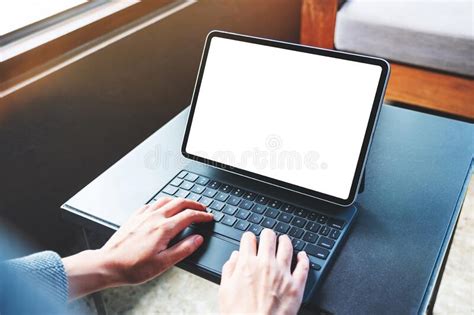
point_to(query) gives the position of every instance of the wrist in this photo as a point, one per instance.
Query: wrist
(111, 272)
(89, 271)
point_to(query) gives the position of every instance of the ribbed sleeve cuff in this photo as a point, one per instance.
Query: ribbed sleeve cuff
(47, 270)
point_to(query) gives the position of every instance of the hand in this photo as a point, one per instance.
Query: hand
(139, 250)
(263, 283)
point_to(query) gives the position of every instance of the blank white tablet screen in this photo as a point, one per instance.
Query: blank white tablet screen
(292, 116)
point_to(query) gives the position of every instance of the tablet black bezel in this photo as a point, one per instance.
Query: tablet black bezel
(307, 49)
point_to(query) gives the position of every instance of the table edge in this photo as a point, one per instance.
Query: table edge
(429, 298)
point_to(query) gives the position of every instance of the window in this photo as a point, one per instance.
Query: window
(35, 34)
(15, 16)
(27, 24)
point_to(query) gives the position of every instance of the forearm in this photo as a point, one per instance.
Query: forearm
(88, 272)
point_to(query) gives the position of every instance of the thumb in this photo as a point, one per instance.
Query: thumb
(180, 250)
(229, 266)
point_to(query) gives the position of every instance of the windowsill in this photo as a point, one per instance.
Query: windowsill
(29, 59)
(55, 31)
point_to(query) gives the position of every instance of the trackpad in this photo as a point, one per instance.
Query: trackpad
(213, 253)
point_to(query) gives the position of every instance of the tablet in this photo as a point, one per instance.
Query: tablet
(294, 116)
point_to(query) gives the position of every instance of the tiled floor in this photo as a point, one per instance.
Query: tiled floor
(174, 292)
(83, 306)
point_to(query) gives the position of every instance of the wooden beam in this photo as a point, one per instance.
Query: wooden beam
(433, 90)
(318, 22)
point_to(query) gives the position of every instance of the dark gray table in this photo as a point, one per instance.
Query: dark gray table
(416, 178)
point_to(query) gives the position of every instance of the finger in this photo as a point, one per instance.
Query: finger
(183, 219)
(159, 203)
(248, 244)
(179, 204)
(155, 205)
(229, 266)
(285, 251)
(267, 244)
(301, 269)
(179, 251)
(143, 209)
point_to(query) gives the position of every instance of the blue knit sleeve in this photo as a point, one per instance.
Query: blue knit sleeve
(34, 283)
(47, 269)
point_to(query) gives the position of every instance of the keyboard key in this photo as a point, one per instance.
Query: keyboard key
(202, 180)
(217, 216)
(258, 209)
(246, 204)
(310, 237)
(228, 220)
(313, 227)
(274, 204)
(191, 177)
(336, 224)
(268, 223)
(226, 188)
(334, 234)
(227, 231)
(181, 193)
(326, 242)
(255, 218)
(237, 192)
(193, 196)
(233, 200)
(316, 251)
(242, 225)
(296, 232)
(198, 189)
(313, 264)
(229, 209)
(217, 205)
(322, 219)
(186, 185)
(182, 174)
(298, 244)
(176, 182)
(213, 184)
(249, 196)
(160, 195)
(324, 230)
(242, 214)
(282, 227)
(272, 213)
(301, 212)
(209, 192)
(205, 201)
(287, 208)
(170, 190)
(285, 217)
(256, 229)
(221, 196)
(299, 222)
(261, 200)
(312, 216)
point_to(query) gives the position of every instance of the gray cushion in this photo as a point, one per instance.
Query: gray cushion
(433, 34)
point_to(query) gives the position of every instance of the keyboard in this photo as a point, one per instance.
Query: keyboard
(237, 210)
